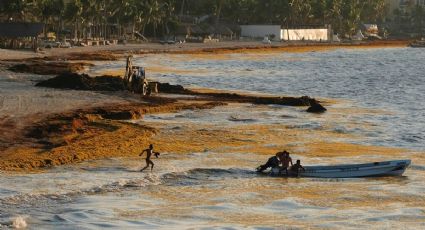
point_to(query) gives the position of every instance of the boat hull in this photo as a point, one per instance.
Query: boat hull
(376, 169)
(417, 45)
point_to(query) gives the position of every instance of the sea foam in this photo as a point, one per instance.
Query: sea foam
(19, 223)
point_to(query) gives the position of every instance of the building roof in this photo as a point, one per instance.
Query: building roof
(20, 29)
(182, 30)
(197, 30)
(223, 30)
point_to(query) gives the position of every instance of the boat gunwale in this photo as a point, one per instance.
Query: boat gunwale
(362, 165)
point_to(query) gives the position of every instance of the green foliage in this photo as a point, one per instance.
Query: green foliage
(418, 19)
(160, 16)
(13, 9)
(51, 8)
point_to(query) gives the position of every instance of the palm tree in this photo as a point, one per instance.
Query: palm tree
(14, 9)
(91, 11)
(73, 14)
(124, 12)
(351, 16)
(374, 11)
(334, 14)
(51, 13)
(418, 19)
(169, 17)
(218, 7)
(319, 10)
(301, 11)
(154, 14)
(94, 15)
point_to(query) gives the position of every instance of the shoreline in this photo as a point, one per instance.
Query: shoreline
(112, 52)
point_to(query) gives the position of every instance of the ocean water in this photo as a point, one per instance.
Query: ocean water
(374, 94)
(390, 80)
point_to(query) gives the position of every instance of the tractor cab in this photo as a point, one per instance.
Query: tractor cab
(135, 78)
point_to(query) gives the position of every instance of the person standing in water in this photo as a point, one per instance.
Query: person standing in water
(149, 152)
(285, 159)
(297, 167)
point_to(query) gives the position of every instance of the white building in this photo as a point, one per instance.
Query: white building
(261, 31)
(305, 34)
(276, 33)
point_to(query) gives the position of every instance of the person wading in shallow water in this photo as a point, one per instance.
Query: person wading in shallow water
(297, 167)
(149, 152)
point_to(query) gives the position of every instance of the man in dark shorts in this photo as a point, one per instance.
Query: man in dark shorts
(149, 152)
(272, 162)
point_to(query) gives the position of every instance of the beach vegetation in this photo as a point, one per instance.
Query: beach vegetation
(155, 18)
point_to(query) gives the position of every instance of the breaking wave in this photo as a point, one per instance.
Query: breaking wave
(14, 222)
(198, 176)
(54, 198)
(19, 223)
(189, 177)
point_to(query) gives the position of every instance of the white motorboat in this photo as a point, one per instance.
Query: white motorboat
(375, 169)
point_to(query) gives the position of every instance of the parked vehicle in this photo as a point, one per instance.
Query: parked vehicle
(168, 40)
(266, 40)
(49, 44)
(65, 44)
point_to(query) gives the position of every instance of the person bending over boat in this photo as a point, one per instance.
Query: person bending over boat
(149, 152)
(297, 167)
(285, 159)
(272, 162)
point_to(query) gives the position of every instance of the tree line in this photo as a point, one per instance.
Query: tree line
(159, 17)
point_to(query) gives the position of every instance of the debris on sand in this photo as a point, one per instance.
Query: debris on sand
(84, 82)
(91, 56)
(78, 56)
(254, 99)
(49, 68)
(100, 83)
(168, 88)
(315, 107)
(234, 97)
(116, 83)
